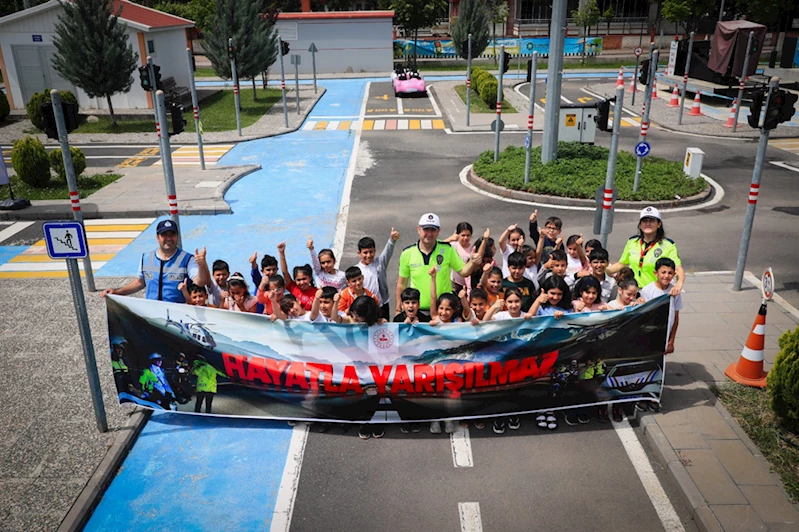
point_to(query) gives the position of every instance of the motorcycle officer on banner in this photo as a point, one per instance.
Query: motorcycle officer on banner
(154, 384)
(162, 270)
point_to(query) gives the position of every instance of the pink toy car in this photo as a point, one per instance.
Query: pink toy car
(408, 81)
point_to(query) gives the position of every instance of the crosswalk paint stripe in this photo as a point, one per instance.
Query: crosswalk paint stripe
(322, 124)
(367, 124)
(402, 124)
(355, 124)
(93, 249)
(415, 124)
(332, 125)
(37, 275)
(344, 125)
(309, 125)
(12, 230)
(379, 125)
(119, 221)
(391, 124)
(54, 266)
(31, 258)
(99, 241)
(427, 124)
(438, 124)
(120, 227)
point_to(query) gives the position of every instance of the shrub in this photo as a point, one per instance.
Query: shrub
(488, 92)
(5, 109)
(57, 162)
(29, 159)
(41, 98)
(783, 381)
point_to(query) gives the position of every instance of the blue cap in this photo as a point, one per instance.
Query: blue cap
(166, 225)
(155, 356)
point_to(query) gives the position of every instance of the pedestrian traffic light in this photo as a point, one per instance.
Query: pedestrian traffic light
(789, 107)
(505, 61)
(602, 115)
(643, 74)
(178, 122)
(157, 72)
(465, 46)
(780, 108)
(284, 48)
(755, 107)
(144, 78)
(69, 112)
(231, 54)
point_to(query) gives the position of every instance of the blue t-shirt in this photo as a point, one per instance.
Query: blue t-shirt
(550, 310)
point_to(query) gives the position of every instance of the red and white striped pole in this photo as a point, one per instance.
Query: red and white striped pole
(606, 221)
(196, 108)
(498, 122)
(530, 116)
(166, 162)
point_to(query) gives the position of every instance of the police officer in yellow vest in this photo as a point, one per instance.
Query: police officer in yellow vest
(161, 271)
(119, 364)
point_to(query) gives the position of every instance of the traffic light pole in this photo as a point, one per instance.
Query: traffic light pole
(297, 81)
(196, 107)
(610, 175)
(549, 142)
(235, 77)
(499, 102)
(153, 88)
(72, 182)
(754, 190)
(744, 77)
(685, 77)
(166, 162)
(282, 80)
(653, 68)
(530, 117)
(469, 79)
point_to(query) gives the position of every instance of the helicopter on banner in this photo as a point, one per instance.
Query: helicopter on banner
(195, 331)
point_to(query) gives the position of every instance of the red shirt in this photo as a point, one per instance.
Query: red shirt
(305, 297)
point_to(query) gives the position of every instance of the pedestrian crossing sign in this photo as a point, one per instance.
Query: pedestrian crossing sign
(65, 240)
(571, 120)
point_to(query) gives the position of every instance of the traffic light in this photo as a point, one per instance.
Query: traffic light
(231, 54)
(157, 72)
(284, 48)
(144, 78)
(780, 108)
(70, 114)
(788, 108)
(755, 107)
(505, 61)
(643, 74)
(602, 115)
(178, 122)
(465, 46)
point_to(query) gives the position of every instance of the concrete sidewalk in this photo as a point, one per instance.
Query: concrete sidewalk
(715, 466)
(454, 108)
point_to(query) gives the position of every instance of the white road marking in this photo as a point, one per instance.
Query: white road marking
(402, 124)
(427, 124)
(433, 101)
(470, 517)
(119, 221)
(565, 99)
(461, 447)
(13, 230)
(333, 125)
(527, 97)
(775, 163)
(309, 125)
(318, 117)
(668, 517)
(60, 266)
(749, 276)
(400, 110)
(287, 492)
(379, 125)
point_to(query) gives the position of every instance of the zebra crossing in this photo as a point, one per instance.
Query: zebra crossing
(789, 145)
(190, 155)
(390, 124)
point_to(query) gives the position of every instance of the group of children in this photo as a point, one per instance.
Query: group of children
(552, 277)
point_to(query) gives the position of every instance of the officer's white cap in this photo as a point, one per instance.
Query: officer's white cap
(429, 220)
(650, 212)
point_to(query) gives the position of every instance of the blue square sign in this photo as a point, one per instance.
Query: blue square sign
(65, 240)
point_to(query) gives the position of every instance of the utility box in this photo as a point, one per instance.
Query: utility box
(577, 123)
(693, 162)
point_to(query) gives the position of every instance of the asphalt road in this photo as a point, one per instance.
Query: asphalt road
(107, 155)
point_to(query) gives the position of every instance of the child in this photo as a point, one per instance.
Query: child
(354, 289)
(221, 272)
(511, 240)
(325, 306)
(556, 265)
(374, 272)
(324, 267)
(206, 384)
(599, 261)
(445, 308)
(268, 269)
(586, 293)
(461, 241)
(238, 298)
(410, 308)
(513, 304)
(365, 310)
(490, 249)
(268, 285)
(516, 279)
(554, 300)
(665, 270)
(576, 260)
(592, 245)
(550, 233)
(478, 303)
(289, 309)
(300, 285)
(531, 266)
(197, 296)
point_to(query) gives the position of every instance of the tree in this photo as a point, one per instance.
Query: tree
(686, 13)
(200, 11)
(414, 14)
(608, 15)
(254, 40)
(584, 18)
(93, 50)
(497, 13)
(472, 18)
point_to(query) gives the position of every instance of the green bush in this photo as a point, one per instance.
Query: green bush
(29, 159)
(57, 162)
(489, 92)
(783, 381)
(41, 98)
(5, 109)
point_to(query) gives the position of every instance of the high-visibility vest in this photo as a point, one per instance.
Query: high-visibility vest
(119, 366)
(599, 369)
(588, 373)
(162, 277)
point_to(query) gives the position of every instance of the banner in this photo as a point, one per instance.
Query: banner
(445, 48)
(174, 356)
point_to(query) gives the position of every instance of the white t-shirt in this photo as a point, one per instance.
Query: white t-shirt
(307, 317)
(214, 294)
(652, 291)
(505, 315)
(573, 265)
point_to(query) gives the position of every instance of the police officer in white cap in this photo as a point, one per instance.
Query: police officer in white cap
(162, 270)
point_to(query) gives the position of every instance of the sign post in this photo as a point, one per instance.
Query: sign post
(530, 117)
(498, 121)
(313, 49)
(282, 79)
(166, 162)
(67, 240)
(610, 176)
(235, 77)
(685, 77)
(469, 79)
(295, 60)
(653, 68)
(638, 51)
(744, 77)
(767, 285)
(196, 107)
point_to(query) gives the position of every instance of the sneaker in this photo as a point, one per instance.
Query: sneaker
(570, 417)
(514, 423)
(364, 433)
(541, 421)
(552, 421)
(378, 432)
(583, 417)
(416, 428)
(464, 423)
(449, 427)
(499, 426)
(642, 406)
(618, 414)
(654, 407)
(602, 412)
(479, 424)
(405, 428)
(435, 427)
(292, 423)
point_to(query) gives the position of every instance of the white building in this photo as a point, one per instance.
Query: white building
(348, 41)
(26, 51)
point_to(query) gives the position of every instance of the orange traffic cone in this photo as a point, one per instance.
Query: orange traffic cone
(675, 98)
(696, 110)
(620, 79)
(731, 119)
(633, 85)
(749, 369)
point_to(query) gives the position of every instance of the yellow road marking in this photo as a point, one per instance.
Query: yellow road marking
(438, 124)
(45, 258)
(368, 124)
(415, 124)
(137, 159)
(128, 227)
(98, 241)
(344, 124)
(322, 124)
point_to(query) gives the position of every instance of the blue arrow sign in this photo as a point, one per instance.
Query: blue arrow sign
(65, 240)
(526, 142)
(642, 149)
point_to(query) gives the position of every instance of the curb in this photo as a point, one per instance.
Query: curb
(503, 192)
(84, 505)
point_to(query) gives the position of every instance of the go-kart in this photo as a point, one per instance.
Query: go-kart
(407, 81)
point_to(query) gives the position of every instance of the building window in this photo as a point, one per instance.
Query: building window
(150, 46)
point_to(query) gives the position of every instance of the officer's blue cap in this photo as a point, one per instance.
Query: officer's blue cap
(166, 225)
(155, 356)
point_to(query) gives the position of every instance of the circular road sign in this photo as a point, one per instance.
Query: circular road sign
(768, 285)
(642, 149)
(638, 51)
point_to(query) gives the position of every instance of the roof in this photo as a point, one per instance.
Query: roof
(732, 25)
(134, 15)
(326, 15)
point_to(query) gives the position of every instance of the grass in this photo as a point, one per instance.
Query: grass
(216, 111)
(580, 169)
(205, 72)
(57, 189)
(478, 105)
(751, 409)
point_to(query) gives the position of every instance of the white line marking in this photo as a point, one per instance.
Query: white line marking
(333, 125)
(566, 99)
(775, 163)
(668, 517)
(402, 124)
(404, 116)
(470, 517)
(287, 492)
(427, 124)
(349, 117)
(13, 230)
(749, 276)
(379, 125)
(433, 102)
(461, 447)
(527, 97)
(309, 125)
(119, 221)
(400, 110)
(112, 234)
(59, 266)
